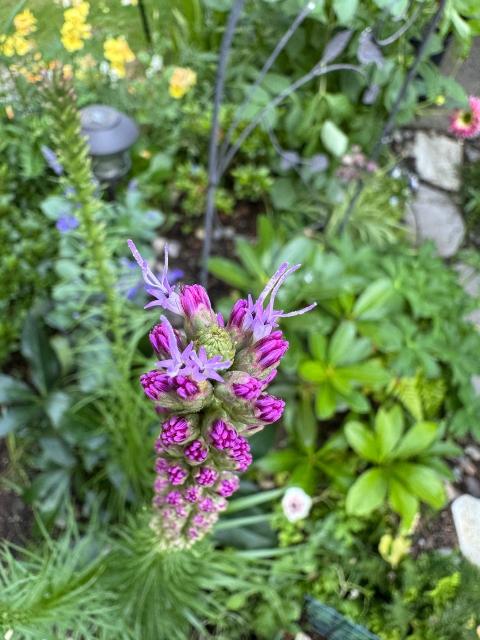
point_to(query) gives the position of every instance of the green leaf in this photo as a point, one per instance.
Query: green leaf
(249, 258)
(341, 343)
(367, 493)
(417, 440)
(305, 475)
(261, 497)
(42, 358)
(422, 481)
(318, 346)
(57, 451)
(362, 440)
(371, 305)
(333, 138)
(325, 401)
(389, 429)
(402, 502)
(56, 405)
(277, 461)
(17, 417)
(370, 373)
(230, 272)
(345, 10)
(306, 428)
(312, 371)
(14, 391)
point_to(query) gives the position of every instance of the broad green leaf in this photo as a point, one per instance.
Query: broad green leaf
(45, 366)
(57, 451)
(367, 493)
(357, 402)
(318, 346)
(230, 272)
(325, 401)
(362, 440)
(422, 481)
(389, 429)
(277, 461)
(341, 342)
(402, 502)
(306, 428)
(265, 234)
(297, 250)
(14, 391)
(17, 417)
(345, 10)
(371, 373)
(371, 305)
(305, 475)
(56, 405)
(249, 258)
(416, 440)
(312, 371)
(333, 138)
(341, 382)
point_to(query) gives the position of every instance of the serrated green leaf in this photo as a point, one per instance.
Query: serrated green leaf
(367, 493)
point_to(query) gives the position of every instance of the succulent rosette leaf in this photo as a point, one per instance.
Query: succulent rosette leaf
(209, 386)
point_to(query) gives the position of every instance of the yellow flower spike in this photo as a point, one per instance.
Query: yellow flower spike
(25, 23)
(181, 81)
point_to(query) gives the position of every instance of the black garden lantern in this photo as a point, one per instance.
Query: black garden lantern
(110, 134)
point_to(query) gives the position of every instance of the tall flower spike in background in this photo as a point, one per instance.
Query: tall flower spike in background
(209, 387)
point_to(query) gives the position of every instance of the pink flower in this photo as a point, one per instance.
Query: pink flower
(196, 452)
(465, 123)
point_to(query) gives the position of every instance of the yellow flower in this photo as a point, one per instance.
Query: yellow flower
(181, 81)
(440, 100)
(10, 112)
(25, 23)
(14, 44)
(118, 53)
(392, 549)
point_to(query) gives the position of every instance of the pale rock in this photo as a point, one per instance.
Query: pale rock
(438, 159)
(434, 216)
(466, 516)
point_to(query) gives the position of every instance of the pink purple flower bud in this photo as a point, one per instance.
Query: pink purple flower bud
(159, 339)
(177, 474)
(269, 408)
(154, 383)
(249, 388)
(185, 387)
(240, 453)
(207, 505)
(206, 476)
(228, 486)
(270, 350)
(161, 465)
(175, 430)
(196, 452)
(192, 494)
(222, 435)
(237, 314)
(161, 483)
(174, 498)
(194, 299)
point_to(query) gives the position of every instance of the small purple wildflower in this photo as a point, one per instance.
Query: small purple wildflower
(67, 223)
(51, 159)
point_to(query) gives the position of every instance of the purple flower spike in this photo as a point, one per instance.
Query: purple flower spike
(154, 383)
(206, 476)
(270, 349)
(269, 408)
(196, 452)
(160, 289)
(177, 474)
(223, 435)
(175, 430)
(250, 388)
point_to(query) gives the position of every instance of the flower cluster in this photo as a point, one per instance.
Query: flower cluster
(181, 81)
(118, 54)
(18, 43)
(465, 123)
(75, 29)
(209, 386)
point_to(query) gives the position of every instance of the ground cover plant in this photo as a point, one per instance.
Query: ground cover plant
(238, 456)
